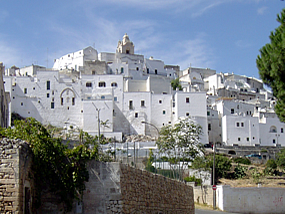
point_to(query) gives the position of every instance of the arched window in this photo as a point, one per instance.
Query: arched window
(114, 84)
(88, 84)
(122, 70)
(273, 129)
(102, 84)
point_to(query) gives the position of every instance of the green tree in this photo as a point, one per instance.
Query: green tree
(175, 84)
(180, 143)
(280, 160)
(222, 165)
(56, 166)
(149, 167)
(271, 66)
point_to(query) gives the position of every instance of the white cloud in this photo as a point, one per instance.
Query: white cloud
(261, 10)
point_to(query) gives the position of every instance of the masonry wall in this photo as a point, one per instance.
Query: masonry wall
(203, 195)
(15, 184)
(118, 188)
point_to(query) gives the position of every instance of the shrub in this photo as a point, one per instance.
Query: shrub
(197, 181)
(242, 161)
(240, 171)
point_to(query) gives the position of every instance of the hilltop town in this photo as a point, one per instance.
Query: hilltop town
(123, 93)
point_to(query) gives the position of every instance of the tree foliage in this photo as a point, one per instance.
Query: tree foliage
(55, 166)
(222, 165)
(280, 160)
(180, 142)
(271, 66)
(175, 84)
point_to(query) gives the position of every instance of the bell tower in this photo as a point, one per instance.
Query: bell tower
(126, 46)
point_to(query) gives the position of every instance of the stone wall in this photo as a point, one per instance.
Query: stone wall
(144, 192)
(118, 188)
(15, 184)
(202, 195)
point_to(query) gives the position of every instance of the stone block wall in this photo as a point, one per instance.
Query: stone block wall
(15, 184)
(118, 188)
(144, 192)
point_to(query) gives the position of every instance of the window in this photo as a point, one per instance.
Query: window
(242, 125)
(282, 130)
(209, 127)
(52, 92)
(238, 138)
(114, 84)
(163, 112)
(102, 97)
(136, 115)
(273, 141)
(25, 90)
(127, 51)
(247, 139)
(88, 84)
(115, 99)
(237, 124)
(160, 101)
(187, 100)
(131, 105)
(102, 84)
(73, 101)
(93, 72)
(137, 68)
(142, 103)
(155, 71)
(34, 88)
(147, 70)
(232, 111)
(52, 105)
(122, 70)
(208, 113)
(48, 85)
(273, 129)
(187, 114)
(61, 101)
(47, 95)
(22, 104)
(173, 104)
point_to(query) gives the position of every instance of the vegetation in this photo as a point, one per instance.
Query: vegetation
(175, 84)
(270, 64)
(180, 143)
(222, 165)
(280, 160)
(55, 166)
(242, 160)
(198, 181)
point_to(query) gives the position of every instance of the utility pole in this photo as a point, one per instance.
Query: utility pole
(214, 186)
(98, 111)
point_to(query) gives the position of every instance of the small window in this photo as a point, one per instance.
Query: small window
(237, 124)
(208, 113)
(238, 138)
(115, 99)
(34, 88)
(52, 105)
(209, 127)
(48, 85)
(122, 70)
(25, 90)
(52, 92)
(114, 84)
(282, 130)
(13, 98)
(47, 95)
(102, 97)
(160, 101)
(88, 84)
(142, 103)
(187, 100)
(273, 141)
(102, 84)
(137, 68)
(187, 114)
(61, 101)
(147, 70)
(22, 104)
(131, 105)
(173, 104)
(163, 112)
(136, 115)
(93, 72)
(232, 111)
(242, 124)
(247, 139)
(73, 101)
(155, 71)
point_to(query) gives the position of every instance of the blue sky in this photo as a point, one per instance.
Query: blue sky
(224, 35)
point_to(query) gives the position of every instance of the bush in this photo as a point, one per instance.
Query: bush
(271, 164)
(197, 181)
(242, 161)
(240, 171)
(271, 167)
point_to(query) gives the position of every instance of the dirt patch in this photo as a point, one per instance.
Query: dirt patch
(250, 182)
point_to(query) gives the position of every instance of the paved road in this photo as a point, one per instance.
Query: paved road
(200, 211)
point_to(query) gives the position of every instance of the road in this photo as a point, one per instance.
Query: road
(201, 211)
